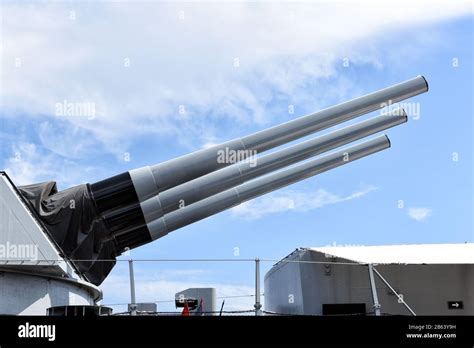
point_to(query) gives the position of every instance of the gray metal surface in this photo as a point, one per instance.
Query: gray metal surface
(223, 179)
(399, 297)
(33, 275)
(20, 232)
(207, 295)
(239, 194)
(143, 307)
(27, 293)
(302, 288)
(150, 181)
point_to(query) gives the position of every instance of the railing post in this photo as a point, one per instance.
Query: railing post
(257, 305)
(133, 304)
(374, 290)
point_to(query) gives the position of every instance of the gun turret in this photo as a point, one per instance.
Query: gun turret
(139, 206)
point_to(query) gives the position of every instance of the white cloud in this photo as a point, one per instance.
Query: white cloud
(293, 201)
(419, 214)
(183, 54)
(29, 164)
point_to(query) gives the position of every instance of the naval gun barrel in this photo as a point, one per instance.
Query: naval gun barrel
(249, 190)
(140, 184)
(136, 215)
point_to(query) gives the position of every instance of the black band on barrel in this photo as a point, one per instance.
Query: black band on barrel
(124, 218)
(114, 192)
(132, 238)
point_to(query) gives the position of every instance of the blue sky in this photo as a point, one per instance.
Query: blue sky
(235, 69)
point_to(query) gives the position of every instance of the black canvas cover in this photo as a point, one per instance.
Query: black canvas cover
(72, 221)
